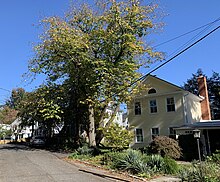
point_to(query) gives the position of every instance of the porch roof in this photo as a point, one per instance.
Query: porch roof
(213, 124)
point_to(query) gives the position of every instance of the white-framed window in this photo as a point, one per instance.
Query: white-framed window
(137, 108)
(154, 132)
(170, 104)
(153, 106)
(139, 138)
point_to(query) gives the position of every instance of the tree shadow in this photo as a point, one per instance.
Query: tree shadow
(16, 146)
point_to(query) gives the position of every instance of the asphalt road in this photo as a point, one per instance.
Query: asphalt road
(23, 164)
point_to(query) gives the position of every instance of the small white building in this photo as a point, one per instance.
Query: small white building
(20, 132)
(120, 117)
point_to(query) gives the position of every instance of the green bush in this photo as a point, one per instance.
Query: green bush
(85, 150)
(76, 155)
(166, 147)
(155, 162)
(131, 161)
(170, 166)
(206, 172)
(214, 158)
(110, 158)
(116, 136)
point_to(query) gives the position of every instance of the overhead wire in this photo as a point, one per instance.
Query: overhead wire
(207, 26)
(194, 37)
(169, 60)
(181, 52)
(170, 40)
(5, 89)
(177, 54)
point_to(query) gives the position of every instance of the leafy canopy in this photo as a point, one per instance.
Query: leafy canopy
(96, 53)
(98, 50)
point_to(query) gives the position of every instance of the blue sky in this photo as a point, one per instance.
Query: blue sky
(19, 30)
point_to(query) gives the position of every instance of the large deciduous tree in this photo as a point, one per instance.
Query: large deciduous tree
(96, 53)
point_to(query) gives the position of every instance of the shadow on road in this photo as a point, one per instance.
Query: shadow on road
(16, 146)
(24, 146)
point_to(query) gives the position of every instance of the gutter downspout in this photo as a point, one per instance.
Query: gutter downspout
(185, 108)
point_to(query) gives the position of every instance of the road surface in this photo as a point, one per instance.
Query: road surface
(23, 164)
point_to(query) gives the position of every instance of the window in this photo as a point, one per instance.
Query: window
(172, 133)
(137, 108)
(154, 132)
(139, 135)
(170, 104)
(152, 91)
(153, 106)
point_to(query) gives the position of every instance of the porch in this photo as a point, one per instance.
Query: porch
(209, 138)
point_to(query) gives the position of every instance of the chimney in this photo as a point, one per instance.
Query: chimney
(203, 91)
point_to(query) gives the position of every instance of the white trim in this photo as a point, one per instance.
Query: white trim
(174, 100)
(150, 106)
(154, 134)
(136, 135)
(185, 108)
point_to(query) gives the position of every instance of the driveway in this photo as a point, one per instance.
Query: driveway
(23, 164)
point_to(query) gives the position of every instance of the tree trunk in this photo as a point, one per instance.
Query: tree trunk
(99, 135)
(92, 142)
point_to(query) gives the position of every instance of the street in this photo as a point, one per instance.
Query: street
(23, 164)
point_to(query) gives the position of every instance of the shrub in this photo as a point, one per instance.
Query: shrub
(131, 161)
(116, 136)
(76, 155)
(166, 147)
(85, 150)
(206, 172)
(155, 162)
(214, 158)
(170, 166)
(110, 158)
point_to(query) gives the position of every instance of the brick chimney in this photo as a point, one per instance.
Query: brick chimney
(203, 91)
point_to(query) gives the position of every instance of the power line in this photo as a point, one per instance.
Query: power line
(141, 78)
(208, 24)
(5, 89)
(194, 37)
(169, 60)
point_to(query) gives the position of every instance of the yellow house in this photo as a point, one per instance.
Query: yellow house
(160, 108)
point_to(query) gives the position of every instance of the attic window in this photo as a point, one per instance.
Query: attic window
(152, 91)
